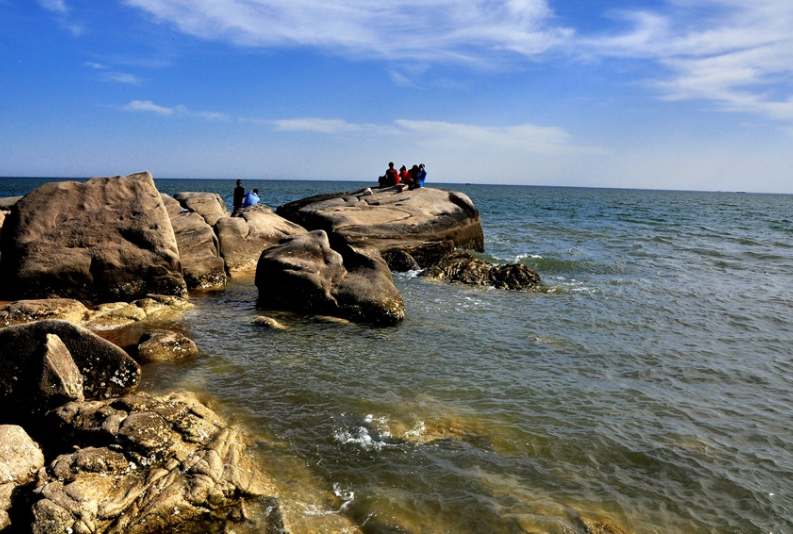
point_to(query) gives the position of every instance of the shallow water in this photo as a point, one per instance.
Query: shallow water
(647, 388)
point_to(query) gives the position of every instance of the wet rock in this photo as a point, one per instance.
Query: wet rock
(20, 459)
(268, 322)
(164, 346)
(210, 206)
(104, 240)
(304, 274)
(148, 464)
(245, 236)
(464, 268)
(202, 266)
(115, 315)
(29, 359)
(391, 220)
(28, 311)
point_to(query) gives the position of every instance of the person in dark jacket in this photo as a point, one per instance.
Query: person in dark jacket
(239, 197)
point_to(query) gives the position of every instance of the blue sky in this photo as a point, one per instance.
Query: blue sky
(668, 94)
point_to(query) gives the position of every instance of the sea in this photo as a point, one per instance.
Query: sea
(647, 388)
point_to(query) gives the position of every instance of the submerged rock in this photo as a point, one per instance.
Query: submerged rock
(147, 465)
(303, 273)
(164, 346)
(390, 220)
(464, 268)
(20, 460)
(104, 240)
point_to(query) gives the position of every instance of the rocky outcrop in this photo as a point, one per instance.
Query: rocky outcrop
(20, 460)
(28, 311)
(104, 240)
(147, 465)
(164, 346)
(5, 209)
(244, 237)
(304, 274)
(202, 266)
(464, 268)
(210, 206)
(45, 363)
(391, 220)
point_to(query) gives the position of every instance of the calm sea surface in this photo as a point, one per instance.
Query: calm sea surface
(649, 387)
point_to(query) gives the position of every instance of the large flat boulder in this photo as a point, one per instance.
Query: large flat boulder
(393, 220)
(210, 206)
(303, 273)
(202, 266)
(49, 361)
(107, 239)
(147, 465)
(245, 236)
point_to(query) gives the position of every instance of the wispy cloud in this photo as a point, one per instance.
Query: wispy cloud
(120, 77)
(733, 53)
(323, 126)
(430, 30)
(150, 107)
(59, 6)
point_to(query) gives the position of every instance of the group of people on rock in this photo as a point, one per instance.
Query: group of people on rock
(406, 179)
(243, 199)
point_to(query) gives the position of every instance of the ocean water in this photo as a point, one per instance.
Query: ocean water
(648, 388)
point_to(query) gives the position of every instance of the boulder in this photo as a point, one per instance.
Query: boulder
(245, 236)
(146, 465)
(107, 239)
(35, 368)
(113, 315)
(164, 346)
(28, 311)
(393, 220)
(5, 209)
(303, 273)
(464, 268)
(210, 206)
(20, 460)
(202, 266)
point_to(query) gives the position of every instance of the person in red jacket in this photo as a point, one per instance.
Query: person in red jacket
(403, 174)
(391, 176)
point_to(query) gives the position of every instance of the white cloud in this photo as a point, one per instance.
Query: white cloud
(120, 77)
(151, 107)
(59, 6)
(324, 126)
(434, 30)
(737, 54)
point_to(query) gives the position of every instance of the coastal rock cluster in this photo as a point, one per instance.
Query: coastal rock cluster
(81, 451)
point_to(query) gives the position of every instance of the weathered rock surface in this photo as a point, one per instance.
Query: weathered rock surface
(244, 237)
(210, 206)
(20, 459)
(107, 239)
(202, 266)
(148, 465)
(391, 220)
(28, 311)
(464, 268)
(35, 371)
(164, 346)
(304, 274)
(6, 203)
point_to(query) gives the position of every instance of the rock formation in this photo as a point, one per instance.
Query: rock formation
(244, 237)
(45, 363)
(146, 465)
(107, 239)
(424, 223)
(20, 459)
(202, 266)
(464, 268)
(303, 273)
(210, 206)
(164, 346)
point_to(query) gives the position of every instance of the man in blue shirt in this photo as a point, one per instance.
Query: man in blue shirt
(251, 199)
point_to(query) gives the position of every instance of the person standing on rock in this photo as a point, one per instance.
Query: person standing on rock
(239, 197)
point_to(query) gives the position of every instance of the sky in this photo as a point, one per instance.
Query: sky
(665, 94)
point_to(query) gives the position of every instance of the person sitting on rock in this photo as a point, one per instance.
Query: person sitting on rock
(403, 174)
(251, 199)
(391, 176)
(422, 175)
(412, 179)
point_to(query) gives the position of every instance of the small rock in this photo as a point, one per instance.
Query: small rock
(163, 346)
